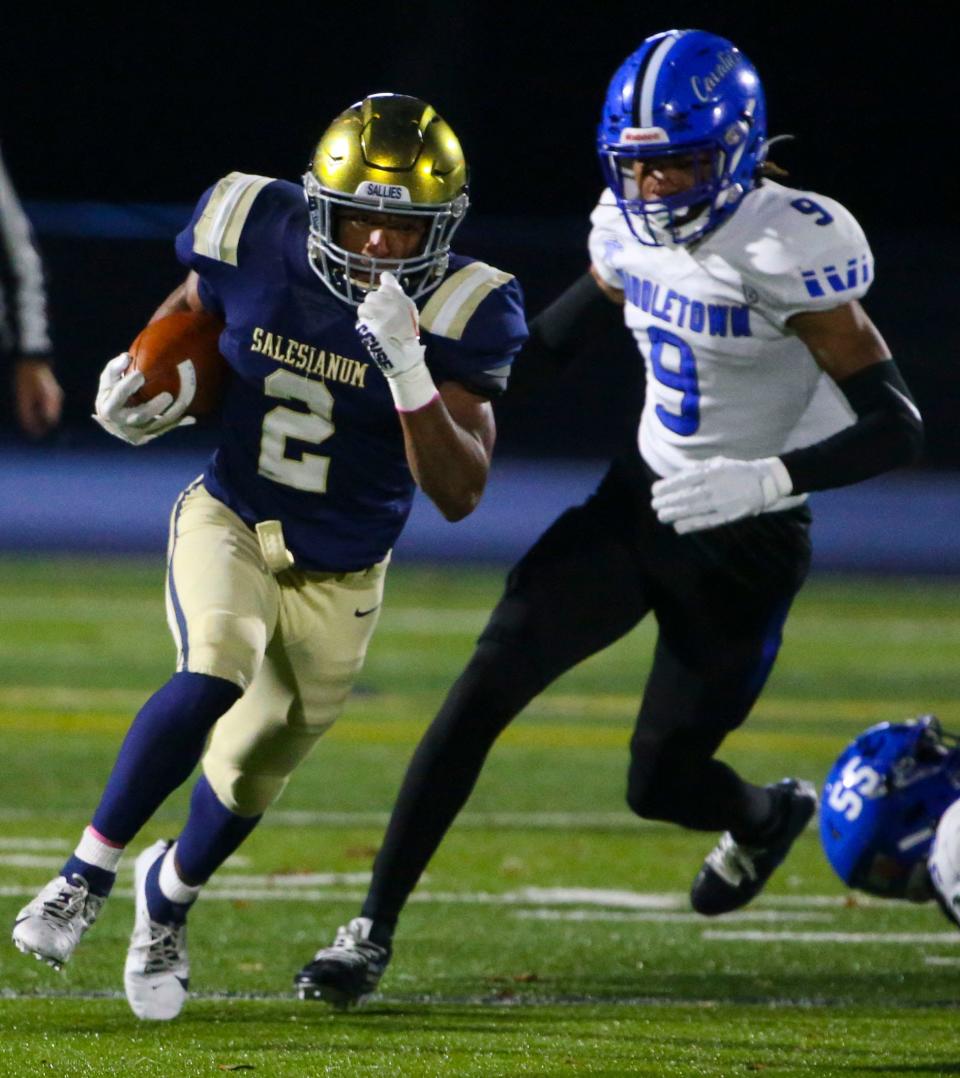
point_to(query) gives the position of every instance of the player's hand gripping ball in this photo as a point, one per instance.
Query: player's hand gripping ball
(162, 347)
(173, 373)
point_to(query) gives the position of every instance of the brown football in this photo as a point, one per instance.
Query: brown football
(161, 345)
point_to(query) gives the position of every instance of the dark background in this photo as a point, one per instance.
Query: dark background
(151, 108)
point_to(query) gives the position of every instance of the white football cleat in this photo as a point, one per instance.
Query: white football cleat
(51, 925)
(157, 971)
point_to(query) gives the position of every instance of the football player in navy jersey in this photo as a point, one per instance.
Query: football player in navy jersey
(363, 355)
(765, 380)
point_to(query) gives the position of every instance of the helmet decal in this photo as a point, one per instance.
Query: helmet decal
(393, 192)
(704, 87)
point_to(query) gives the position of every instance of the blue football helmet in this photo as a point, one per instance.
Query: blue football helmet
(882, 802)
(691, 94)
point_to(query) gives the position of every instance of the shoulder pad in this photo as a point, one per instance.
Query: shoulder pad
(801, 227)
(606, 237)
(798, 249)
(605, 203)
(453, 304)
(216, 234)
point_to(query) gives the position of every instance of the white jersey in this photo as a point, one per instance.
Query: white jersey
(724, 374)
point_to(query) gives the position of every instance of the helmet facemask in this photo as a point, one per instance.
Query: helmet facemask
(393, 155)
(351, 275)
(688, 215)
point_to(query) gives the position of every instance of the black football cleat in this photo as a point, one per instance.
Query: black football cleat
(346, 972)
(734, 874)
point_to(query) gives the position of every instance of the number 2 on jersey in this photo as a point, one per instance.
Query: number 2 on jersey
(309, 473)
(680, 375)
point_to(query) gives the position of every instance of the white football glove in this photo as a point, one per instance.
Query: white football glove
(141, 423)
(718, 491)
(389, 328)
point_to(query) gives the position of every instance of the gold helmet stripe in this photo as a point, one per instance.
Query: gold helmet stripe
(451, 307)
(217, 233)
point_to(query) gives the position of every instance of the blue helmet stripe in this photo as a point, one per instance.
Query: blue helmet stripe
(650, 76)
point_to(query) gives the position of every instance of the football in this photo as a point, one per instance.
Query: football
(161, 345)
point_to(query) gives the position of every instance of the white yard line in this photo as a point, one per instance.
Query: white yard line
(539, 821)
(718, 936)
(491, 999)
(63, 846)
(665, 917)
(329, 887)
(236, 881)
(31, 860)
(33, 843)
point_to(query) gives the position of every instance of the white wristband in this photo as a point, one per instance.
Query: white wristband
(412, 389)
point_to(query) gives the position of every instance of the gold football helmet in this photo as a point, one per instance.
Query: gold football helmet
(387, 154)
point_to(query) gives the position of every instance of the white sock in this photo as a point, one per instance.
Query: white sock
(95, 851)
(171, 886)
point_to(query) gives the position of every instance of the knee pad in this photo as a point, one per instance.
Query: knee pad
(247, 770)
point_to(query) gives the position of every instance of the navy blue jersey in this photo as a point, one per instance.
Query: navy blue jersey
(310, 435)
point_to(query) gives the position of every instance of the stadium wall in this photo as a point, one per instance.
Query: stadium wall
(117, 501)
(110, 264)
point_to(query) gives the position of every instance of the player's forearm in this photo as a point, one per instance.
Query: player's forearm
(580, 315)
(39, 398)
(185, 297)
(887, 434)
(450, 465)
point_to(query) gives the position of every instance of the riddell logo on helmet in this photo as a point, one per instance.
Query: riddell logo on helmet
(644, 134)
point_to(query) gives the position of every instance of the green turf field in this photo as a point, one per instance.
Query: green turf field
(552, 934)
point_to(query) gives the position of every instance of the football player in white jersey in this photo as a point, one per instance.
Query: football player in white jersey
(765, 380)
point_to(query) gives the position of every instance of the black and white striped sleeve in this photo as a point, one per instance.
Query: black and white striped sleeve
(24, 329)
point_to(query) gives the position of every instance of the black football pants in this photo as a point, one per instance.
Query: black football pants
(720, 598)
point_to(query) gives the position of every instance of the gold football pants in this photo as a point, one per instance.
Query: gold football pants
(294, 641)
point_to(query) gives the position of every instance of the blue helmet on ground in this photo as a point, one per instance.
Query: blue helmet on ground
(683, 93)
(882, 802)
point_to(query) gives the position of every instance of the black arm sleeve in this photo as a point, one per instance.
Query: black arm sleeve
(888, 433)
(579, 315)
